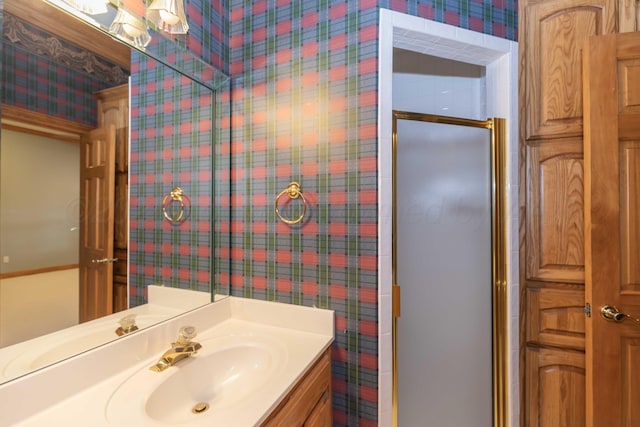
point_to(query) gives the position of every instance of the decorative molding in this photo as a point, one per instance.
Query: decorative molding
(40, 43)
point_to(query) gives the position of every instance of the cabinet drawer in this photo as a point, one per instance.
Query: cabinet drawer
(321, 414)
(309, 403)
(555, 317)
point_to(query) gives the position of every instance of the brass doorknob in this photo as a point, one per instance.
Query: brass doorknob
(104, 260)
(612, 314)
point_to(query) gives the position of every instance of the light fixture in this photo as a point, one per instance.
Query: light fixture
(130, 29)
(168, 16)
(90, 7)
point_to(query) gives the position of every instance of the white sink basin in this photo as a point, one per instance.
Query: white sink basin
(226, 371)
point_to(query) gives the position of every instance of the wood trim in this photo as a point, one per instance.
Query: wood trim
(37, 271)
(23, 120)
(120, 92)
(54, 21)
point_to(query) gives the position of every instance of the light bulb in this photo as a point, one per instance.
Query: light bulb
(168, 17)
(131, 30)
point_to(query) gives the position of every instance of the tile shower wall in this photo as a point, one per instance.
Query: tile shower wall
(304, 106)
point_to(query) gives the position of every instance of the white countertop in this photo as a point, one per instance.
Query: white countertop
(27, 356)
(80, 390)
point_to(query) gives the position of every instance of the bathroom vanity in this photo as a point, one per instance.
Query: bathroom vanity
(309, 403)
(258, 364)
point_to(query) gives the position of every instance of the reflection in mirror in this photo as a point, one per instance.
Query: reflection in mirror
(57, 88)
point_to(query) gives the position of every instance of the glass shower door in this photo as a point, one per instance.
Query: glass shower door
(443, 256)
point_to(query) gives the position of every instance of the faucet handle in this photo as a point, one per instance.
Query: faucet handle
(127, 325)
(128, 321)
(185, 334)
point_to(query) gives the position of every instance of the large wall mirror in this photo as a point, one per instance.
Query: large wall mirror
(75, 96)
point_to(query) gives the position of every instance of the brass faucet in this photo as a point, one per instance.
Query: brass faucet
(127, 325)
(181, 349)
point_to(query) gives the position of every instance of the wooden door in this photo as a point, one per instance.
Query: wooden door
(611, 71)
(97, 170)
(113, 108)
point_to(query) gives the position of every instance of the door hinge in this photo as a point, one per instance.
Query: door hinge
(395, 301)
(587, 309)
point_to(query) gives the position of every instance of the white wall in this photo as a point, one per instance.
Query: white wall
(431, 85)
(39, 195)
(38, 304)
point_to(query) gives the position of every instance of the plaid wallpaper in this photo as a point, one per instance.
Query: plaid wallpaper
(304, 108)
(171, 132)
(206, 39)
(173, 121)
(38, 83)
(208, 22)
(496, 17)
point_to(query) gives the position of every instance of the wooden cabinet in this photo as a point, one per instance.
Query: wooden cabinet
(113, 108)
(552, 267)
(309, 403)
(555, 388)
(553, 34)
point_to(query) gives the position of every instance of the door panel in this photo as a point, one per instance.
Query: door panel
(554, 388)
(97, 171)
(555, 317)
(555, 231)
(612, 204)
(554, 32)
(630, 216)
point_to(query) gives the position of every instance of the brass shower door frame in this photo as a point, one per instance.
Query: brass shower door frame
(500, 356)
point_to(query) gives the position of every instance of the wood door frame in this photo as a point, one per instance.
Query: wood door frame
(34, 123)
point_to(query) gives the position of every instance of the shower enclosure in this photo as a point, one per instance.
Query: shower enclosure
(449, 263)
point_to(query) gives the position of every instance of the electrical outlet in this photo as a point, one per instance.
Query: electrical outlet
(5, 259)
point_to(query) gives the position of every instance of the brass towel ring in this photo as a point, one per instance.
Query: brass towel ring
(176, 195)
(293, 191)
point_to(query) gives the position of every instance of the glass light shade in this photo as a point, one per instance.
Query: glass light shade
(90, 7)
(168, 16)
(130, 28)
